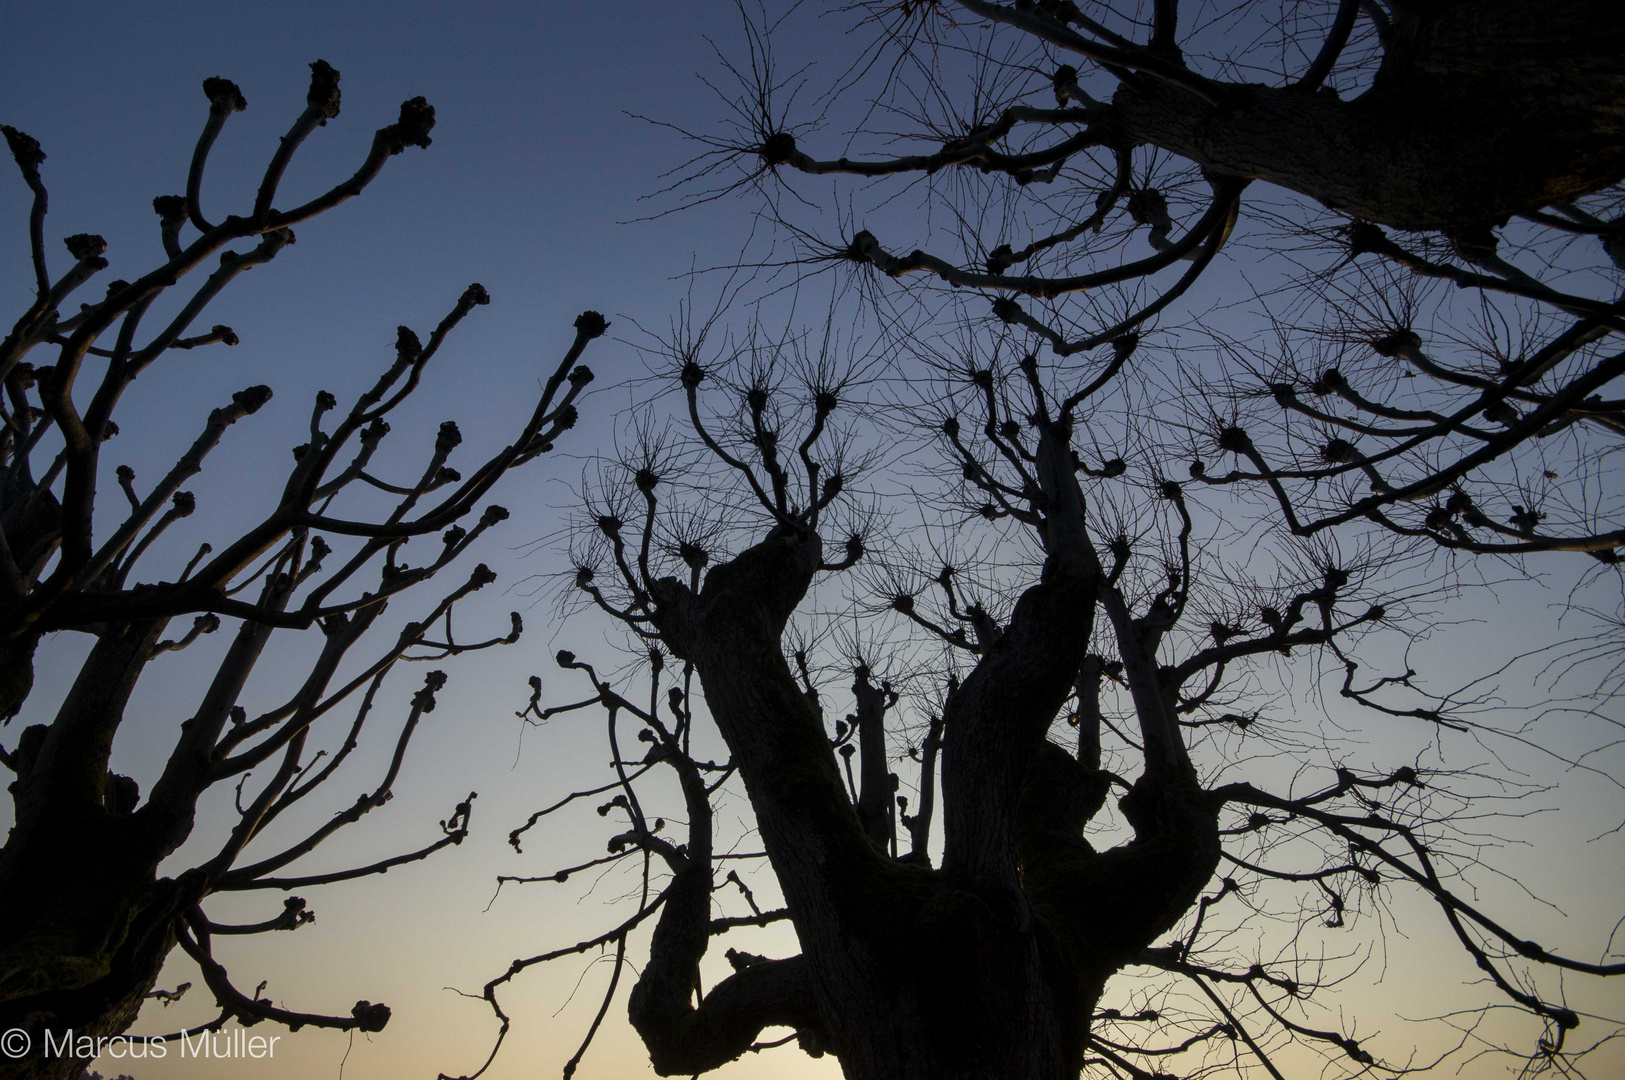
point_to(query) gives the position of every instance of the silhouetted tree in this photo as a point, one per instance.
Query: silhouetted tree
(85, 919)
(1440, 178)
(1104, 642)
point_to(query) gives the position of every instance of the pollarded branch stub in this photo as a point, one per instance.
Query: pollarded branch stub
(1108, 469)
(1235, 440)
(413, 127)
(457, 825)
(777, 149)
(1329, 381)
(224, 96)
(407, 345)
(323, 95)
(1525, 519)
(374, 432)
(252, 399)
(1398, 343)
(832, 487)
(1148, 206)
(25, 150)
(1065, 83)
(319, 550)
(693, 555)
(1365, 238)
(1120, 548)
(1339, 451)
(1123, 345)
(1469, 512)
(1497, 411)
(86, 246)
(294, 914)
(591, 324)
(432, 683)
(370, 1017)
(171, 209)
(1007, 311)
(865, 248)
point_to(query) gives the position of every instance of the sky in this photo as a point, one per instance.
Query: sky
(548, 144)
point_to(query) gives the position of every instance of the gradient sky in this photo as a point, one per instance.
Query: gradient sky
(535, 167)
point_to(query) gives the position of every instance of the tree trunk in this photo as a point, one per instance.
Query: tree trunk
(988, 969)
(104, 1007)
(1481, 110)
(84, 920)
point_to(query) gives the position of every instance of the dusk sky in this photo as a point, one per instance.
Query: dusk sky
(539, 170)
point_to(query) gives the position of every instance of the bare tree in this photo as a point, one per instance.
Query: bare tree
(87, 920)
(1107, 644)
(1101, 656)
(1440, 182)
